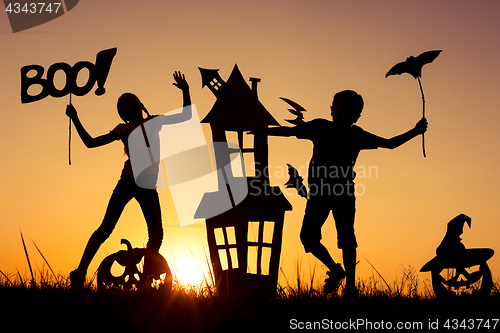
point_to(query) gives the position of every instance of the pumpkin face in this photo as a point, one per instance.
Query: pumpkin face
(459, 273)
(462, 281)
(155, 268)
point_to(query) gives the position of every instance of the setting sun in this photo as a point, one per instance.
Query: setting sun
(187, 271)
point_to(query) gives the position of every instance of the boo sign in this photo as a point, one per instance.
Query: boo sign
(98, 72)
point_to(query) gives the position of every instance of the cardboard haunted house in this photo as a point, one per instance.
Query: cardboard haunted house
(244, 241)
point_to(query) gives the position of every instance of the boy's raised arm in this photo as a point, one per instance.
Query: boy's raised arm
(273, 131)
(394, 142)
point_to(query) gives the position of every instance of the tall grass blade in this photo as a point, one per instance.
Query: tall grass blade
(312, 278)
(173, 268)
(284, 276)
(201, 270)
(282, 289)
(380, 275)
(211, 274)
(33, 283)
(7, 278)
(20, 277)
(53, 274)
(299, 286)
(92, 279)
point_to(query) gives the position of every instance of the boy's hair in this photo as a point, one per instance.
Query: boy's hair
(351, 99)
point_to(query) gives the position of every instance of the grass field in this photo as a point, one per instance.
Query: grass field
(48, 303)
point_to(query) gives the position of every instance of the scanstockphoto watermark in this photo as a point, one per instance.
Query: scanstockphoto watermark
(367, 324)
(25, 15)
(332, 180)
(356, 324)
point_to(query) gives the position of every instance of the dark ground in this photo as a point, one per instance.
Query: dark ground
(62, 310)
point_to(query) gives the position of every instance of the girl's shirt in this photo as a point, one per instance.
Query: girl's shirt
(123, 131)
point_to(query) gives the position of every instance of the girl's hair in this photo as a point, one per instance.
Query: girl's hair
(129, 95)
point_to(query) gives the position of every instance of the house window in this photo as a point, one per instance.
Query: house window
(215, 84)
(231, 236)
(253, 232)
(250, 166)
(247, 169)
(266, 260)
(259, 240)
(225, 238)
(252, 259)
(268, 232)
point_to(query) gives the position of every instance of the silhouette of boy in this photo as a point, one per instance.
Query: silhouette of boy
(337, 144)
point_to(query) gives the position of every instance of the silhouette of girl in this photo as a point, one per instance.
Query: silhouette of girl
(130, 110)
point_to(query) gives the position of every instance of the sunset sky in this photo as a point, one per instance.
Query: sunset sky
(302, 50)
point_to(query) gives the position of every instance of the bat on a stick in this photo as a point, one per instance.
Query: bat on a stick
(413, 66)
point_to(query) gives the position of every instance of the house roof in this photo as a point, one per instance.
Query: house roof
(207, 75)
(267, 205)
(237, 106)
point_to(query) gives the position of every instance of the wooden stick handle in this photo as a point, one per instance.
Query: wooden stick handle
(423, 112)
(423, 144)
(69, 143)
(69, 140)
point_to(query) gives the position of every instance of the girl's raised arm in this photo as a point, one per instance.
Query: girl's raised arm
(181, 83)
(87, 139)
(187, 112)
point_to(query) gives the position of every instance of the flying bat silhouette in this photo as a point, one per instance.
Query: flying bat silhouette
(297, 111)
(413, 65)
(295, 181)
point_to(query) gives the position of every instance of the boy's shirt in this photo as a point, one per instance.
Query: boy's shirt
(335, 151)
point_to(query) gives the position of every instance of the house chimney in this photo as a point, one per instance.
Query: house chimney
(254, 81)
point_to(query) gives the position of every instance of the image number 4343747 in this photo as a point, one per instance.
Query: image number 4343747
(24, 15)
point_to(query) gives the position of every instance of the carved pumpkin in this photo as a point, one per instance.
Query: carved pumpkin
(460, 281)
(154, 267)
(452, 256)
(453, 275)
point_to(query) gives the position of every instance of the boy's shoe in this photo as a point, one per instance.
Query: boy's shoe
(77, 279)
(334, 278)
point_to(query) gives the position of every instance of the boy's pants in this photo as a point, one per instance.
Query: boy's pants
(318, 208)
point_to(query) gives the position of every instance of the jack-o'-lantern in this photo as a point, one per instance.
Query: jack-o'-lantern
(141, 268)
(453, 268)
(455, 281)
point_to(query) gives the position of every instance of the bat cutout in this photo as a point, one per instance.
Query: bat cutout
(413, 66)
(297, 111)
(295, 181)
